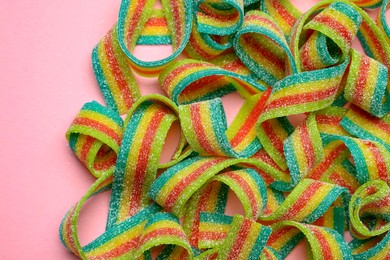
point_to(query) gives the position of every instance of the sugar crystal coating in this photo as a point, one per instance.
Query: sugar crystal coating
(310, 179)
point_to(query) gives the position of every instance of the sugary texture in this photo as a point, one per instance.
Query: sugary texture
(136, 168)
(369, 210)
(133, 15)
(323, 243)
(213, 229)
(211, 198)
(188, 81)
(366, 85)
(221, 17)
(372, 159)
(164, 229)
(204, 125)
(156, 30)
(308, 201)
(303, 149)
(245, 240)
(307, 155)
(262, 46)
(95, 136)
(249, 188)
(366, 126)
(113, 74)
(284, 13)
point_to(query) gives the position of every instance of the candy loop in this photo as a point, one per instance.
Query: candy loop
(211, 198)
(284, 13)
(130, 23)
(221, 17)
(119, 240)
(295, 176)
(249, 188)
(204, 125)
(373, 248)
(369, 210)
(366, 85)
(323, 243)
(304, 92)
(371, 158)
(327, 23)
(295, 207)
(255, 45)
(156, 30)
(189, 80)
(203, 46)
(164, 229)
(303, 150)
(318, 52)
(366, 126)
(115, 79)
(95, 136)
(245, 240)
(147, 124)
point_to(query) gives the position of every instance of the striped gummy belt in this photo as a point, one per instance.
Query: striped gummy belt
(307, 155)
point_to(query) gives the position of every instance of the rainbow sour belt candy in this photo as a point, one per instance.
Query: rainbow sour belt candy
(307, 155)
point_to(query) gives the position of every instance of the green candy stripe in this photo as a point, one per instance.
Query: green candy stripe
(245, 240)
(223, 18)
(205, 127)
(147, 124)
(189, 80)
(309, 200)
(372, 159)
(366, 126)
(113, 74)
(303, 150)
(323, 243)
(369, 210)
(366, 85)
(250, 189)
(95, 136)
(164, 229)
(212, 197)
(262, 47)
(132, 20)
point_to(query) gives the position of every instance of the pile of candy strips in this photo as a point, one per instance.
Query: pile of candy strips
(308, 181)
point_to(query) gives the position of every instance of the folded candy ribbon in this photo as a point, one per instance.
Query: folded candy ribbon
(294, 180)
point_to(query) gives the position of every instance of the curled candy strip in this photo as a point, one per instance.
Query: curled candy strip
(113, 74)
(164, 228)
(95, 136)
(204, 125)
(372, 159)
(282, 11)
(366, 85)
(369, 209)
(294, 179)
(245, 240)
(189, 80)
(323, 243)
(255, 45)
(156, 30)
(212, 198)
(366, 126)
(221, 17)
(133, 15)
(320, 195)
(148, 122)
(303, 149)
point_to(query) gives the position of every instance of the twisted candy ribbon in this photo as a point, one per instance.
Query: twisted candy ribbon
(312, 180)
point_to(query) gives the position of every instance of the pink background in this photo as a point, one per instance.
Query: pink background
(45, 78)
